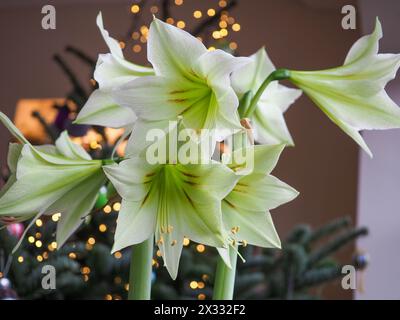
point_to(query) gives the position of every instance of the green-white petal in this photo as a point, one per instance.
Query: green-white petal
(70, 149)
(255, 227)
(268, 121)
(135, 224)
(263, 159)
(156, 98)
(217, 66)
(171, 50)
(10, 181)
(201, 189)
(247, 205)
(269, 124)
(113, 66)
(100, 109)
(225, 255)
(132, 178)
(76, 204)
(260, 193)
(170, 245)
(253, 74)
(112, 71)
(215, 110)
(12, 128)
(138, 141)
(112, 44)
(366, 46)
(14, 152)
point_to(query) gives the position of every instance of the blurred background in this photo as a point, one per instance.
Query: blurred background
(334, 178)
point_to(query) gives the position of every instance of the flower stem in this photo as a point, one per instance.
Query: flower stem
(225, 278)
(106, 162)
(140, 271)
(244, 103)
(279, 74)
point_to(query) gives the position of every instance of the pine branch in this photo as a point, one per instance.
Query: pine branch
(76, 98)
(317, 276)
(248, 280)
(81, 55)
(51, 132)
(335, 245)
(78, 88)
(165, 5)
(256, 262)
(136, 19)
(212, 20)
(300, 234)
(296, 256)
(330, 228)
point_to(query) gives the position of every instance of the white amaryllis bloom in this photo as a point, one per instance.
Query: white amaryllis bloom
(190, 81)
(50, 179)
(353, 95)
(170, 200)
(268, 122)
(112, 70)
(245, 210)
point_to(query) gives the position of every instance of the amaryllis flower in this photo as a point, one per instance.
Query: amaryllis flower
(190, 81)
(50, 179)
(245, 210)
(353, 95)
(112, 70)
(268, 122)
(170, 200)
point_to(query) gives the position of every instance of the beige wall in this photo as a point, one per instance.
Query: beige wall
(297, 34)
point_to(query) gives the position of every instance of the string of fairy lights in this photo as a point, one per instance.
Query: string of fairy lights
(221, 29)
(35, 239)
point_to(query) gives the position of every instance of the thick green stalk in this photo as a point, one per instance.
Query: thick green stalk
(244, 103)
(225, 278)
(140, 271)
(279, 74)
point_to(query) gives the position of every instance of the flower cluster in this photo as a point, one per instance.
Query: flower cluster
(50, 179)
(220, 200)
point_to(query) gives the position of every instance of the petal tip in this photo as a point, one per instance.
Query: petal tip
(378, 28)
(99, 20)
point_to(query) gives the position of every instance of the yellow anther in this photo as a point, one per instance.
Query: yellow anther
(235, 230)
